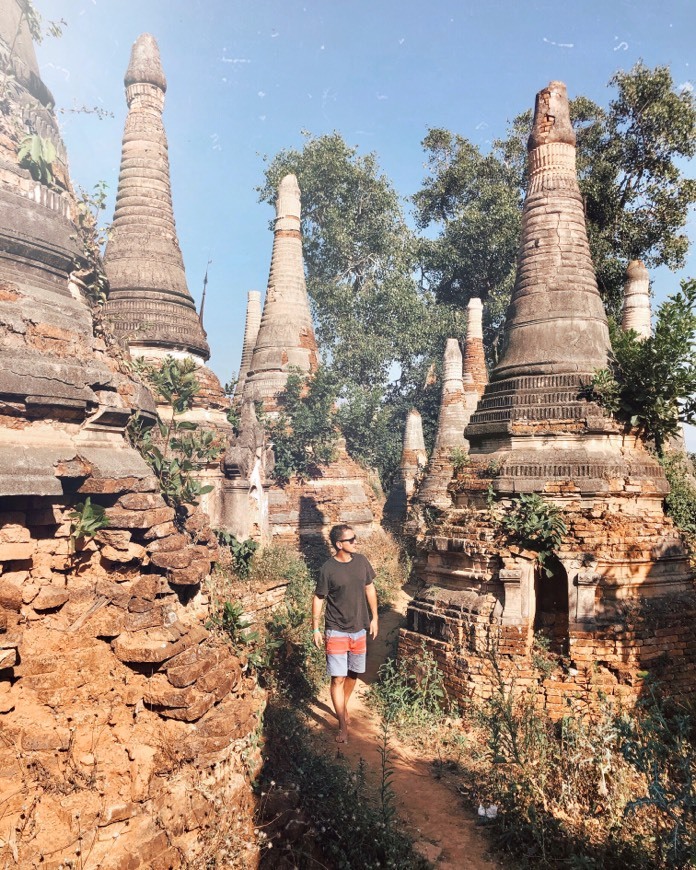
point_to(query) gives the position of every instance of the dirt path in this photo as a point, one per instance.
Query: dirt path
(445, 831)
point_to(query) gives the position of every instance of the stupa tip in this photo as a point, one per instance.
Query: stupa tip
(145, 66)
(288, 201)
(636, 270)
(551, 117)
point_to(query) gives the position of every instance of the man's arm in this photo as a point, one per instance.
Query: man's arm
(317, 604)
(371, 595)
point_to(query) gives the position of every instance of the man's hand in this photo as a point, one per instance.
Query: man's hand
(318, 640)
(374, 627)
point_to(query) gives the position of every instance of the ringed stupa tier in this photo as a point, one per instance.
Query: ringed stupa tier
(635, 313)
(149, 303)
(616, 592)
(285, 338)
(251, 332)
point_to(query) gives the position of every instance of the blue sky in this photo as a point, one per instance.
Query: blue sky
(245, 77)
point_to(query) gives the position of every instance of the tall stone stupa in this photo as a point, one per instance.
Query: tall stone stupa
(537, 431)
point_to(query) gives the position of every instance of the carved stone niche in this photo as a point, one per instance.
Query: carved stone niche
(517, 577)
(586, 581)
(511, 578)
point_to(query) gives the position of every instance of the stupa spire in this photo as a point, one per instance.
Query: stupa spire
(636, 304)
(474, 373)
(286, 335)
(149, 301)
(251, 331)
(450, 429)
(556, 321)
(413, 458)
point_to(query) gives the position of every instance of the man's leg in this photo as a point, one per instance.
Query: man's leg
(338, 699)
(348, 687)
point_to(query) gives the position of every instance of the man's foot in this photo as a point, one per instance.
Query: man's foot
(342, 737)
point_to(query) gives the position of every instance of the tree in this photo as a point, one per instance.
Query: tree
(304, 434)
(378, 328)
(475, 201)
(636, 196)
(651, 384)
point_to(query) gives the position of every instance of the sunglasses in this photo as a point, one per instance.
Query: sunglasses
(347, 540)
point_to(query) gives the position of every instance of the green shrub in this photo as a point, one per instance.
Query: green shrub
(86, 519)
(304, 433)
(680, 504)
(241, 552)
(536, 524)
(410, 696)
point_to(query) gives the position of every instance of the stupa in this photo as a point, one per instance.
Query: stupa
(463, 382)
(413, 460)
(635, 313)
(535, 431)
(285, 338)
(251, 331)
(301, 511)
(149, 306)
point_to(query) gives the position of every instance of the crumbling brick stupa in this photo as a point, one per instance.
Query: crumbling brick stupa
(123, 723)
(619, 598)
(300, 512)
(149, 306)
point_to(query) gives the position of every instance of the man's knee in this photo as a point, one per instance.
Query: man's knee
(352, 675)
(338, 681)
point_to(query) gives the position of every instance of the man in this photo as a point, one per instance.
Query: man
(345, 582)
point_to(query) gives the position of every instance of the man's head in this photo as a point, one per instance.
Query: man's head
(342, 537)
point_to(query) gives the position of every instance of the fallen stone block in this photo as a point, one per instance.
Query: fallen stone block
(186, 673)
(159, 693)
(220, 680)
(141, 501)
(10, 595)
(50, 598)
(200, 705)
(130, 554)
(154, 647)
(155, 618)
(177, 559)
(8, 658)
(191, 576)
(169, 544)
(126, 519)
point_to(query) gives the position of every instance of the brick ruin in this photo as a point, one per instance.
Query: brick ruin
(300, 512)
(124, 725)
(619, 600)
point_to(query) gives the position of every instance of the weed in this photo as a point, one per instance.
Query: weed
(536, 524)
(410, 696)
(241, 552)
(460, 459)
(86, 519)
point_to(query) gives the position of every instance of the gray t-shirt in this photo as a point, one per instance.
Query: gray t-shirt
(343, 585)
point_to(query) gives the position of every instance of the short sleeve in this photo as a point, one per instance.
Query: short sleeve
(369, 572)
(322, 588)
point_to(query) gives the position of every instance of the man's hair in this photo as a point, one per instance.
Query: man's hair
(336, 533)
